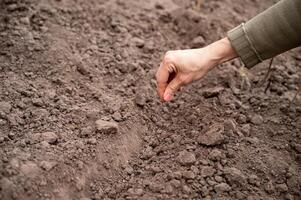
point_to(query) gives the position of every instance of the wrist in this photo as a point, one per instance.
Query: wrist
(223, 51)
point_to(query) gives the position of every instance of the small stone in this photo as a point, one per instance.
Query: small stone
(49, 137)
(12, 7)
(135, 191)
(242, 119)
(106, 127)
(5, 107)
(256, 119)
(44, 144)
(138, 42)
(188, 175)
(215, 155)
(30, 169)
(252, 140)
(129, 170)
(186, 158)
(83, 69)
(218, 179)
(205, 191)
(86, 132)
(213, 136)
(246, 129)
(147, 153)
(235, 176)
(168, 189)
(282, 187)
(140, 100)
(212, 92)
(198, 42)
(14, 163)
(230, 125)
(186, 189)
(117, 117)
(37, 102)
(2, 122)
(222, 187)
(25, 20)
(207, 171)
(253, 179)
(79, 183)
(175, 183)
(177, 175)
(269, 187)
(155, 187)
(47, 166)
(149, 46)
(11, 135)
(204, 162)
(92, 141)
(211, 183)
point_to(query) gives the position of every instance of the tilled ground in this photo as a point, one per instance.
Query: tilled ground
(80, 118)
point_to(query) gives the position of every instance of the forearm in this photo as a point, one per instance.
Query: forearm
(270, 33)
(221, 51)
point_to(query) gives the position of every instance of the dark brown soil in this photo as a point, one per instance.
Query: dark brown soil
(80, 118)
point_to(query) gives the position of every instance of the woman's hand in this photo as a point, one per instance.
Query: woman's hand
(182, 67)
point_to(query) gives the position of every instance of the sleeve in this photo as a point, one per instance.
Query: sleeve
(268, 34)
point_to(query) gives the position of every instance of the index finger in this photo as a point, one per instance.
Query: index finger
(162, 79)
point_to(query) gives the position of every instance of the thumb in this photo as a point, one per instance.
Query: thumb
(171, 88)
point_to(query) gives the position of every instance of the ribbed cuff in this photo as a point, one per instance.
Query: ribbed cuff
(243, 46)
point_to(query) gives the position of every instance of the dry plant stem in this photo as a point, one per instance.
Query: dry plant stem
(295, 96)
(268, 76)
(268, 73)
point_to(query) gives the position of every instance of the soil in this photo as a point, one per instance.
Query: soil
(80, 117)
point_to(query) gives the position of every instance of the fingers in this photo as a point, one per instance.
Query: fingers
(162, 77)
(171, 88)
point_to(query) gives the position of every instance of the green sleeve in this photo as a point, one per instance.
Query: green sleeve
(270, 33)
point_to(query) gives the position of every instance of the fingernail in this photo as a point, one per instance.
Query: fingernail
(167, 97)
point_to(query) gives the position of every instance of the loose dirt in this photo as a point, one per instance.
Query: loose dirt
(80, 118)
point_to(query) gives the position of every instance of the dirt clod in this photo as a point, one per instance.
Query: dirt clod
(106, 127)
(207, 171)
(49, 137)
(222, 187)
(281, 187)
(256, 119)
(198, 42)
(5, 107)
(140, 100)
(212, 92)
(186, 158)
(30, 169)
(215, 155)
(213, 136)
(47, 166)
(235, 176)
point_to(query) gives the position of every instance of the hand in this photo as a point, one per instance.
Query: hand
(182, 67)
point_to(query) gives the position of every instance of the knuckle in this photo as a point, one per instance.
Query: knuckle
(169, 56)
(182, 79)
(173, 88)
